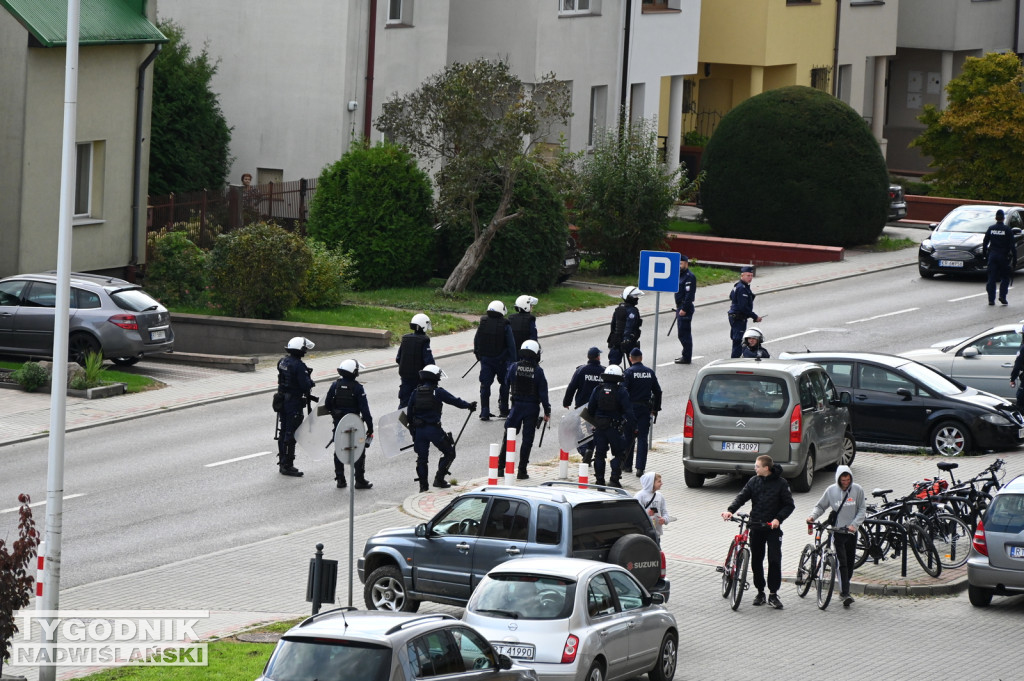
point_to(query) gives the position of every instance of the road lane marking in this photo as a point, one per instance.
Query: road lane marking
(887, 314)
(976, 295)
(673, 361)
(794, 335)
(40, 503)
(237, 458)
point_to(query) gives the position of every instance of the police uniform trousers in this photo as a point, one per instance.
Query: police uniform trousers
(291, 418)
(360, 464)
(603, 439)
(684, 330)
(405, 390)
(423, 437)
(737, 327)
(999, 270)
(1020, 395)
(523, 417)
(639, 441)
(493, 368)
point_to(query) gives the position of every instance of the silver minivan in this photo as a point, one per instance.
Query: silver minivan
(742, 408)
(996, 563)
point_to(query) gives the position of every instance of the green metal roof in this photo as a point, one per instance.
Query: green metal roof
(101, 22)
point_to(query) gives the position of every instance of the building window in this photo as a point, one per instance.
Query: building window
(659, 6)
(400, 12)
(819, 77)
(83, 180)
(598, 112)
(574, 6)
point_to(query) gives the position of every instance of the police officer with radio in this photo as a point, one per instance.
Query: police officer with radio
(608, 407)
(625, 326)
(529, 389)
(523, 323)
(347, 396)
(581, 387)
(1000, 250)
(685, 296)
(294, 386)
(494, 347)
(424, 412)
(741, 310)
(645, 395)
(413, 354)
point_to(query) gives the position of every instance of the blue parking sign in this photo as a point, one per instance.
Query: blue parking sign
(659, 271)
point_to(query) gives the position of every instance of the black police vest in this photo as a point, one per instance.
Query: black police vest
(618, 323)
(426, 401)
(412, 354)
(285, 379)
(524, 383)
(608, 400)
(522, 326)
(344, 398)
(490, 337)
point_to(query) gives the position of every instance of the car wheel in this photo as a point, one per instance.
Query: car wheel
(81, 345)
(385, 590)
(596, 672)
(950, 438)
(805, 478)
(125, 361)
(925, 274)
(640, 555)
(849, 450)
(665, 668)
(980, 597)
(693, 480)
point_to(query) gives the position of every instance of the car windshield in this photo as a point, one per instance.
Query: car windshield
(975, 221)
(530, 597)
(134, 300)
(742, 395)
(931, 379)
(321, 659)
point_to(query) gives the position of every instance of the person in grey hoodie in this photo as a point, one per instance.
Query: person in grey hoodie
(653, 501)
(846, 500)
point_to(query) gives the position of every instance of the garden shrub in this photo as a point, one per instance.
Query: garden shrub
(176, 269)
(31, 376)
(258, 271)
(330, 275)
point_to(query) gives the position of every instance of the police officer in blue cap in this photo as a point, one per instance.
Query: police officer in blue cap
(684, 309)
(645, 396)
(581, 387)
(741, 310)
(1000, 250)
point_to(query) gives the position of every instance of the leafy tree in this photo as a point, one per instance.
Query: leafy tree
(189, 139)
(977, 142)
(623, 196)
(478, 123)
(15, 579)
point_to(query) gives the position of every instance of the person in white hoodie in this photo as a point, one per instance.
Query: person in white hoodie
(846, 500)
(653, 501)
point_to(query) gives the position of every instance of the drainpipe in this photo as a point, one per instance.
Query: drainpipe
(625, 67)
(371, 49)
(835, 51)
(140, 92)
(1016, 28)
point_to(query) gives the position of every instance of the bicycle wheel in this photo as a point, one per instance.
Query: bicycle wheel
(827, 579)
(924, 549)
(728, 570)
(740, 583)
(805, 571)
(865, 540)
(952, 539)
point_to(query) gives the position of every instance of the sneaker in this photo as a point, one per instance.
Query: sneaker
(773, 600)
(759, 599)
(847, 600)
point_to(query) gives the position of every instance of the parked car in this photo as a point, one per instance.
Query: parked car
(742, 408)
(571, 619)
(570, 260)
(996, 563)
(444, 560)
(982, 361)
(897, 203)
(108, 315)
(955, 245)
(899, 401)
(387, 646)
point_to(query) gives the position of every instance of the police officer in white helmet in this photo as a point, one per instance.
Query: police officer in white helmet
(294, 386)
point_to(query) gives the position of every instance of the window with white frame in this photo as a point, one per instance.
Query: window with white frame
(400, 12)
(83, 180)
(574, 6)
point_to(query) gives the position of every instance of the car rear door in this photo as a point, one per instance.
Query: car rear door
(443, 564)
(33, 323)
(10, 301)
(611, 625)
(989, 370)
(882, 415)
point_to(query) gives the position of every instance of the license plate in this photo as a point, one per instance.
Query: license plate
(740, 447)
(951, 263)
(517, 651)
(570, 262)
(1017, 552)
(157, 335)
(1020, 433)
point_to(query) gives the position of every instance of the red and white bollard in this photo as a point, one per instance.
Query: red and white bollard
(40, 564)
(492, 463)
(563, 464)
(584, 475)
(510, 456)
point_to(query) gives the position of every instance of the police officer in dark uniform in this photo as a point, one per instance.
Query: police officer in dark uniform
(523, 323)
(741, 310)
(645, 396)
(684, 309)
(753, 347)
(608, 407)
(424, 412)
(293, 393)
(1000, 250)
(625, 326)
(529, 389)
(581, 387)
(494, 347)
(347, 396)
(413, 354)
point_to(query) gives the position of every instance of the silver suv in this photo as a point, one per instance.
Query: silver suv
(996, 563)
(108, 315)
(742, 408)
(384, 646)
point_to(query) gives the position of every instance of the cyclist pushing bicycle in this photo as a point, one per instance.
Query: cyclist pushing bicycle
(848, 507)
(771, 503)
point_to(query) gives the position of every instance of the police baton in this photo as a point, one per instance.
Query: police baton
(675, 318)
(470, 369)
(543, 429)
(463, 424)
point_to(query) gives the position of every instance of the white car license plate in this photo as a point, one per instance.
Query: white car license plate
(570, 262)
(740, 447)
(517, 651)
(951, 263)
(1020, 433)
(1017, 552)
(158, 335)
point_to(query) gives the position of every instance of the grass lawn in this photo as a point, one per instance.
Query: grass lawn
(689, 226)
(886, 244)
(135, 383)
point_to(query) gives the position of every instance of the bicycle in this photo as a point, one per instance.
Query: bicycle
(892, 528)
(819, 564)
(737, 562)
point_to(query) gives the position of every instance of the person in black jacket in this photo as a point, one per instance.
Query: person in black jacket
(771, 502)
(999, 250)
(347, 396)
(413, 354)
(294, 386)
(1018, 372)
(581, 387)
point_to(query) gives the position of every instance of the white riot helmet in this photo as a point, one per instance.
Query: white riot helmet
(432, 372)
(349, 368)
(754, 332)
(525, 303)
(612, 373)
(497, 306)
(420, 322)
(300, 345)
(530, 349)
(631, 292)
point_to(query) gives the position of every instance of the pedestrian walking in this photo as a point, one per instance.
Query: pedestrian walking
(523, 323)
(294, 391)
(609, 407)
(741, 309)
(848, 507)
(653, 501)
(413, 354)
(999, 249)
(752, 344)
(625, 326)
(581, 387)
(685, 296)
(424, 413)
(494, 347)
(1018, 372)
(529, 391)
(347, 396)
(771, 503)
(644, 391)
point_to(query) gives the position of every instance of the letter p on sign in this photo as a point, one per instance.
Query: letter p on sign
(659, 271)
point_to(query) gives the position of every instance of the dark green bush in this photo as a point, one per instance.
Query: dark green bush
(795, 164)
(375, 203)
(917, 188)
(31, 376)
(176, 270)
(258, 271)
(526, 253)
(329, 277)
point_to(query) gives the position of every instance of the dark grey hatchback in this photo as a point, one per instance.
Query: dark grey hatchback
(108, 315)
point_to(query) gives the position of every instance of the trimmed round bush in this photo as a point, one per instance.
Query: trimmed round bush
(176, 270)
(328, 278)
(375, 203)
(795, 165)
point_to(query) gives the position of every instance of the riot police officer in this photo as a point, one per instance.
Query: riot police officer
(424, 412)
(1000, 250)
(684, 309)
(523, 323)
(741, 310)
(608, 407)
(293, 393)
(347, 396)
(581, 387)
(752, 344)
(529, 389)
(494, 348)
(625, 326)
(413, 354)
(645, 396)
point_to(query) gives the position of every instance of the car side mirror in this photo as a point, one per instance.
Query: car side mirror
(845, 399)
(421, 530)
(970, 352)
(1017, 231)
(657, 599)
(933, 225)
(504, 661)
(904, 393)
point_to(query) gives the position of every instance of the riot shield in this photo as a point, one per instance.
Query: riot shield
(573, 430)
(393, 434)
(315, 433)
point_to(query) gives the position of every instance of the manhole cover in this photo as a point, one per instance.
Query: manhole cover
(259, 637)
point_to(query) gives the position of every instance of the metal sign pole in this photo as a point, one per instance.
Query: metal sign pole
(654, 360)
(351, 433)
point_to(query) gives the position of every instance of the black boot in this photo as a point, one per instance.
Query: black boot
(360, 469)
(440, 482)
(342, 483)
(288, 463)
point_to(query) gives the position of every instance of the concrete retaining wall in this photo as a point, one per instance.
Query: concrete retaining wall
(233, 336)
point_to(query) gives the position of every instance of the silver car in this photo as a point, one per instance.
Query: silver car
(108, 315)
(571, 619)
(996, 563)
(982, 361)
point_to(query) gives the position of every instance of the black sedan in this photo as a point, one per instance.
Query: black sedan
(899, 401)
(955, 244)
